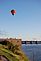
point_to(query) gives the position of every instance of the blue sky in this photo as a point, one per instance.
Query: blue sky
(27, 20)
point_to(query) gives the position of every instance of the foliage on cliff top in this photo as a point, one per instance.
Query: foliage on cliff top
(11, 52)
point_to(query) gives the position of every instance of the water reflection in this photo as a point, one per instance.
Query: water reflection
(33, 51)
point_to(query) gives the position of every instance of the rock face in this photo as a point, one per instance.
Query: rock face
(3, 58)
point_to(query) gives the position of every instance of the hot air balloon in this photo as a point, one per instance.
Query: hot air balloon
(13, 12)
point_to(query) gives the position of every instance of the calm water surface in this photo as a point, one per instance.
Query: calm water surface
(33, 51)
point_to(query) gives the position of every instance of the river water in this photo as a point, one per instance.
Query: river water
(33, 51)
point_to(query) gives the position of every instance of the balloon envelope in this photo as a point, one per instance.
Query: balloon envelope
(13, 12)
